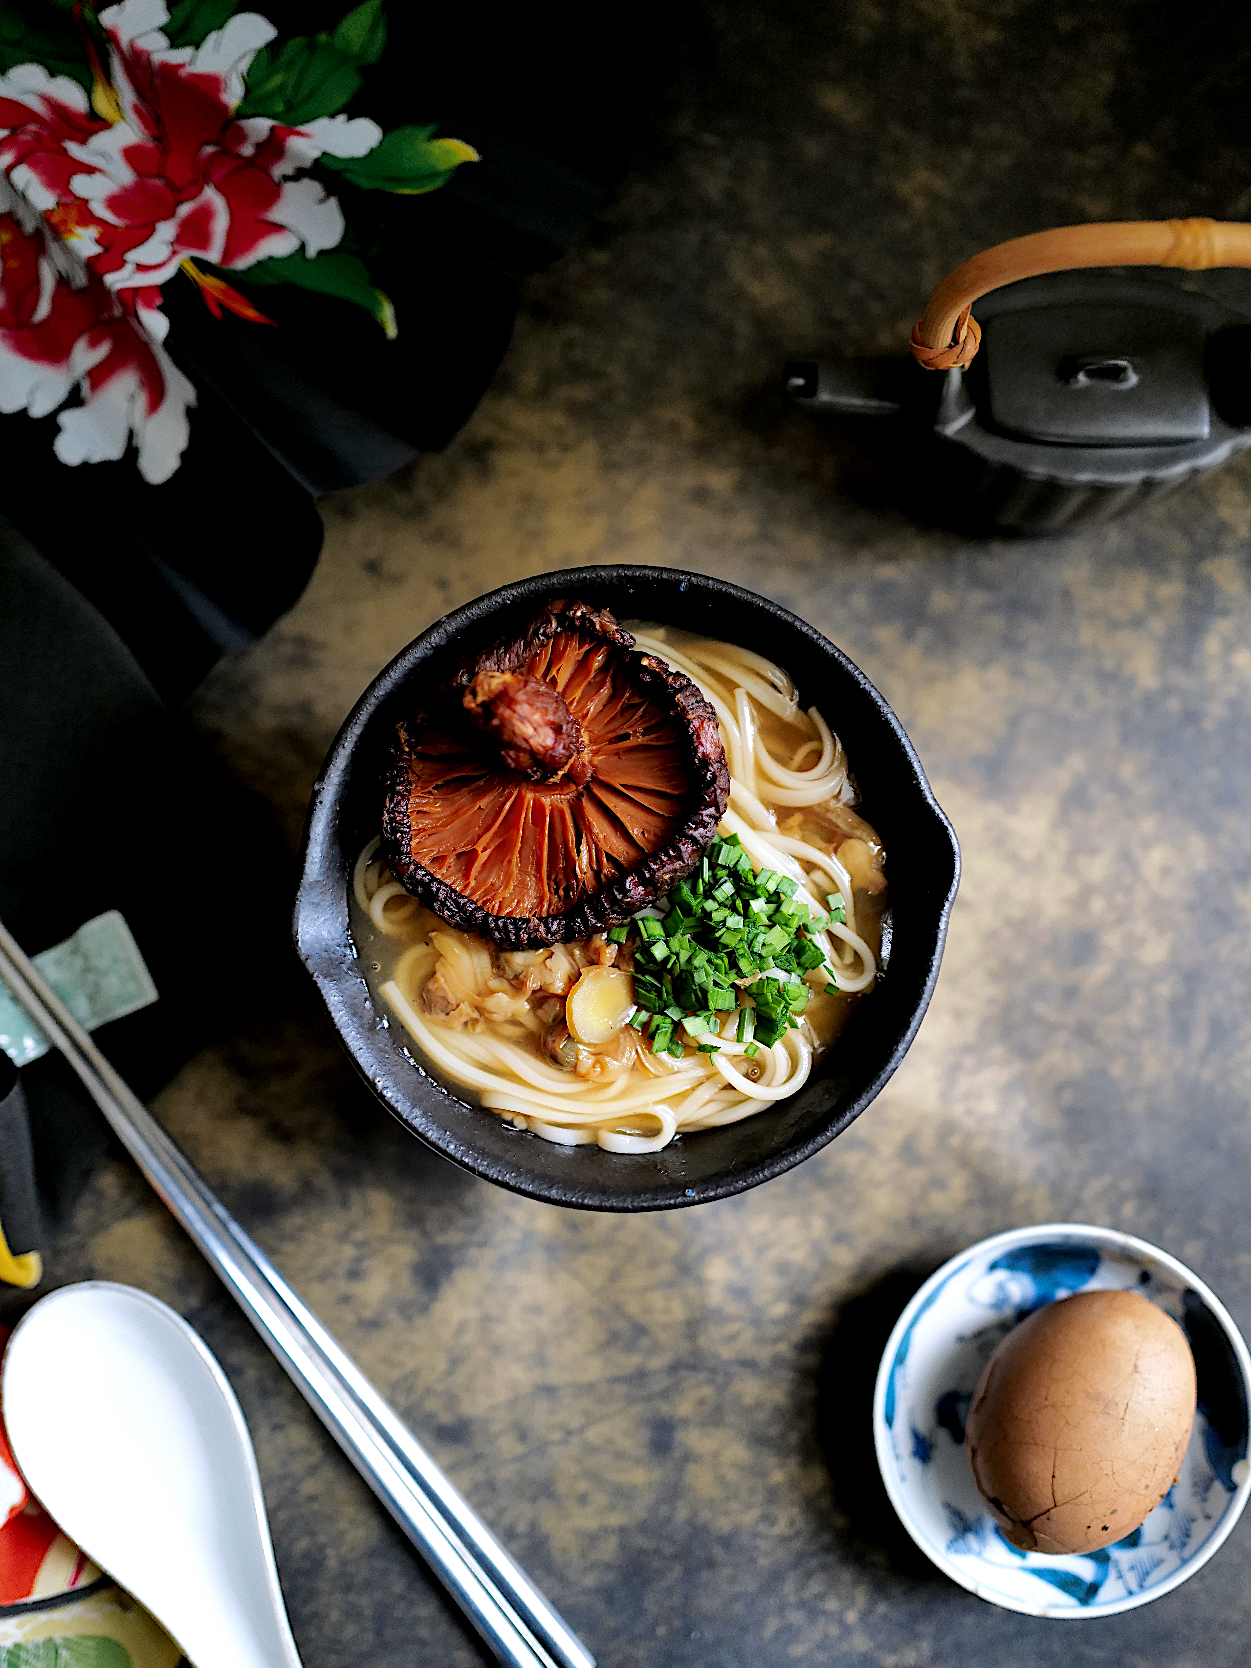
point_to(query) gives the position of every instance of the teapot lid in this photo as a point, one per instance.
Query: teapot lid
(1098, 358)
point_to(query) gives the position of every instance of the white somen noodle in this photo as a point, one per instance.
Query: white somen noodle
(637, 1101)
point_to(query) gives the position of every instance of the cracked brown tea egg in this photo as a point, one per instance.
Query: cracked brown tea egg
(1080, 1421)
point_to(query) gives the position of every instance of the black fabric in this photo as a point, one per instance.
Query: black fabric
(68, 1138)
(107, 801)
(553, 98)
(182, 571)
(551, 101)
(322, 399)
(20, 1215)
(328, 394)
(122, 595)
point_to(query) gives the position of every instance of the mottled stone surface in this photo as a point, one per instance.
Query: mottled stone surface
(666, 1417)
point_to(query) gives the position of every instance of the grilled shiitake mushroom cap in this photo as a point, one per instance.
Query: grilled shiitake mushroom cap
(560, 782)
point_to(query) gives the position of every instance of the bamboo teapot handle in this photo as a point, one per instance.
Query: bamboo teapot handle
(947, 335)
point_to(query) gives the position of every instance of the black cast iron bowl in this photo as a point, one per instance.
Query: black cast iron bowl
(923, 868)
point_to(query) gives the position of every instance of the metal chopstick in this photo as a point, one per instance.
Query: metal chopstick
(519, 1625)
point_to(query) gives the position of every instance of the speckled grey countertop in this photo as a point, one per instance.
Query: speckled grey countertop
(666, 1418)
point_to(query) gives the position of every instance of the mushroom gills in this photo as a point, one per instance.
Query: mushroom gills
(557, 784)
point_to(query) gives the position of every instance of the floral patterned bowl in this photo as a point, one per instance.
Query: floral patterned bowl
(926, 1381)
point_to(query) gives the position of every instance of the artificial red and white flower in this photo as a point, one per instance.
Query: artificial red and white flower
(173, 163)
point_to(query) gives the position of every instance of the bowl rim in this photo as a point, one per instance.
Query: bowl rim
(1112, 1238)
(320, 833)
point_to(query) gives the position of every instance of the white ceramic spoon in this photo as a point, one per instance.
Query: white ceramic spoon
(127, 1430)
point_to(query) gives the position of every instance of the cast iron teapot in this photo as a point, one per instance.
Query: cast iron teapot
(1093, 391)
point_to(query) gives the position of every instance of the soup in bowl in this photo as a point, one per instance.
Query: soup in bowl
(624, 888)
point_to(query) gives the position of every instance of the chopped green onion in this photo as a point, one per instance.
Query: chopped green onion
(724, 922)
(837, 911)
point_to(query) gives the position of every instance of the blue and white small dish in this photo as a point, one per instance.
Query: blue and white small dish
(926, 1381)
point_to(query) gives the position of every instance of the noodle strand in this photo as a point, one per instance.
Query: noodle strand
(618, 1105)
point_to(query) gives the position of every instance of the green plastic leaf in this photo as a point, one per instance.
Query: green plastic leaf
(262, 83)
(363, 33)
(11, 56)
(331, 273)
(306, 78)
(69, 1650)
(407, 160)
(314, 75)
(192, 21)
(52, 42)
